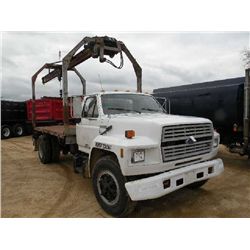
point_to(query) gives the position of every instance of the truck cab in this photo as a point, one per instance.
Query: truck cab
(136, 151)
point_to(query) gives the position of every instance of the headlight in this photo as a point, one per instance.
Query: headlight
(138, 156)
(216, 140)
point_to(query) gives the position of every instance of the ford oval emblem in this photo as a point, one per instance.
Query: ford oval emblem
(191, 140)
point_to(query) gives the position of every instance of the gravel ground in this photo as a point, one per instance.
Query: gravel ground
(31, 189)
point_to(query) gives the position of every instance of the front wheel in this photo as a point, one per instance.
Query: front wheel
(109, 188)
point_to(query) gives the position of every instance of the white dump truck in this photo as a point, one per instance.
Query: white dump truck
(126, 142)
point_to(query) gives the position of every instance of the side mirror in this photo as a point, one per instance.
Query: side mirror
(165, 103)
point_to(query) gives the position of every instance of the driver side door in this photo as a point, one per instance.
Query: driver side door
(88, 128)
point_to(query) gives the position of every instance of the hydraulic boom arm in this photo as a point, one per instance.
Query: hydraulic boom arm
(95, 47)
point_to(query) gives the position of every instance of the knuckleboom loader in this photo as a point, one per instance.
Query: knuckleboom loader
(130, 147)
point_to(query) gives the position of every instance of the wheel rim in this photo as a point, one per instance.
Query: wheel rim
(108, 187)
(19, 130)
(6, 132)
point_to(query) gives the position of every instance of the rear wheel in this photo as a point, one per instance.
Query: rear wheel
(55, 149)
(5, 132)
(18, 130)
(109, 188)
(44, 149)
(197, 184)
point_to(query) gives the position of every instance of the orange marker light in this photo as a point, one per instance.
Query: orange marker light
(129, 134)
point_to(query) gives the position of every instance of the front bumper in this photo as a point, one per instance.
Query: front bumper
(153, 187)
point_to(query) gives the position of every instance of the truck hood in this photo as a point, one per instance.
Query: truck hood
(148, 125)
(159, 119)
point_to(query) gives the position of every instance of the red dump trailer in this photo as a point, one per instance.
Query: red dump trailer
(17, 116)
(47, 109)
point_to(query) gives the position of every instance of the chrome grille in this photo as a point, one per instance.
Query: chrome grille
(174, 146)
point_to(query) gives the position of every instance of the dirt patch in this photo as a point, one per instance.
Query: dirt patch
(31, 189)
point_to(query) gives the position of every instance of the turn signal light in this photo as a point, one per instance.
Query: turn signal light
(129, 134)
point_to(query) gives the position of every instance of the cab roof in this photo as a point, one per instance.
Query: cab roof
(119, 92)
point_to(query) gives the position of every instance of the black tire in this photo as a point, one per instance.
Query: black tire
(197, 184)
(18, 130)
(109, 188)
(5, 132)
(44, 149)
(55, 149)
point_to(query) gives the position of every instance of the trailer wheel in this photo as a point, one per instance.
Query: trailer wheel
(5, 132)
(18, 130)
(109, 188)
(197, 184)
(44, 149)
(55, 149)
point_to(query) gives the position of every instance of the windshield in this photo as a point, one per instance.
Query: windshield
(129, 103)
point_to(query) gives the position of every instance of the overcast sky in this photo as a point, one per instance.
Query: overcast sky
(167, 59)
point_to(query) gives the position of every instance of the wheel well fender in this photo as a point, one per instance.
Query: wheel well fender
(96, 154)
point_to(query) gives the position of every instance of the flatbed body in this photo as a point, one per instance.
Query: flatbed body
(57, 130)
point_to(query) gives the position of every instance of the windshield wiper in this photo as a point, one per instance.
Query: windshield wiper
(148, 109)
(122, 109)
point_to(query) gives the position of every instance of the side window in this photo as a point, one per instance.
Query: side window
(90, 108)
